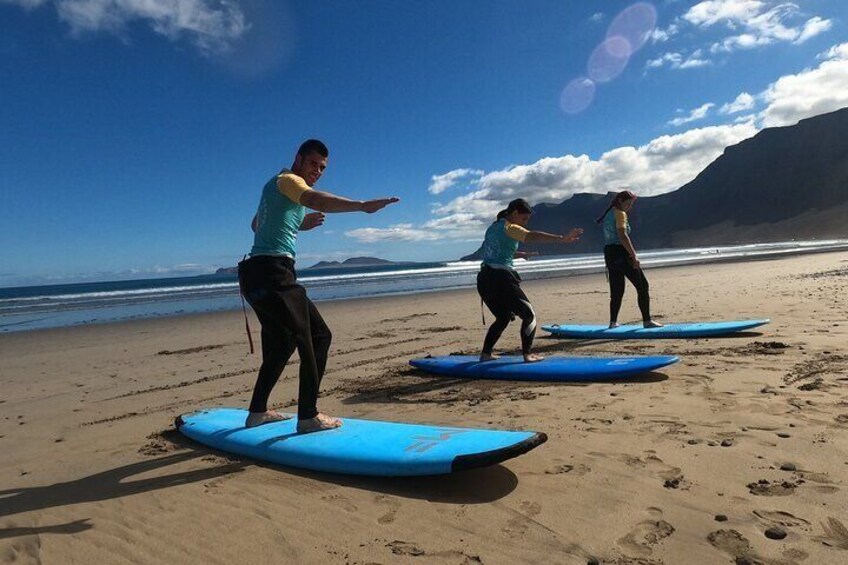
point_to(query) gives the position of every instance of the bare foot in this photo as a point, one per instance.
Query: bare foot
(652, 324)
(613, 325)
(533, 357)
(319, 423)
(487, 357)
(258, 418)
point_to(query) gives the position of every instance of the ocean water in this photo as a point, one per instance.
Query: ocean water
(40, 307)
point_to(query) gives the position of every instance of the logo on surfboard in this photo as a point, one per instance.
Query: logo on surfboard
(425, 443)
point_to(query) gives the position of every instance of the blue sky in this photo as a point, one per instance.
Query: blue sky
(135, 136)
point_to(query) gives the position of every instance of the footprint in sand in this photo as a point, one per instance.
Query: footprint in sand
(527, 510)
(408, 549)
(647, 533)
(672, 477)
(780, 518)
(341, 501)
(577, 470)
(835, 534)
(734, 544)
(559, 469)
(393, 505)
(399, 547)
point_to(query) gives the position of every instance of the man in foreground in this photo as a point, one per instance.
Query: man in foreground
(268, 281)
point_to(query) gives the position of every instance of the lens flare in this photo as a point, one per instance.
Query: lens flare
(577, 95)
(634, 24)
(627, 33)
(608, 59)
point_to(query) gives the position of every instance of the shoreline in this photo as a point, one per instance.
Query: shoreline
(751, 427)
(764, 256)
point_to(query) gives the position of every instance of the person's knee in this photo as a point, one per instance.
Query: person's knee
(502, 321)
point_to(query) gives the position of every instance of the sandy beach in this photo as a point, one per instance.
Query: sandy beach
(689, 465)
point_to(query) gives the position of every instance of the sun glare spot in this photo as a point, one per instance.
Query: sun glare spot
(627, 33)
(577, 95)
(634, 24)
(608, 59)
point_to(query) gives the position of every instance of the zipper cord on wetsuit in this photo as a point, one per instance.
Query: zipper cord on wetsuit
(244, 311)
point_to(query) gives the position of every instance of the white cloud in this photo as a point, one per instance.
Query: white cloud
(672, 60)
(712, 12)
(745, 118)
(695, 60)
(812, 28)
(678, 60)
(440, 183)
(662, 165)
(754, 24)
(742, 102)
(836, 52)
(597, 17)
(211, 25)
(662, 35)
(695, 114)
(810, 92)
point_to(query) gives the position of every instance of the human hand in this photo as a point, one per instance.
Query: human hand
(312, 220)
(635, 262)
(573, 235)
(371, 206)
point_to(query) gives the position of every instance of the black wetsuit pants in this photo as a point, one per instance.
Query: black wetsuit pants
(619, 266)
(501, 291)
(289, 321)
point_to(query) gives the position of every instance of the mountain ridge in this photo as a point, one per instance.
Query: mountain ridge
(783, 183)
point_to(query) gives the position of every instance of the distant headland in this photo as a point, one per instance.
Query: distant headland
(353, 262)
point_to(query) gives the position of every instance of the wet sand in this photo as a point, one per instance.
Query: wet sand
(693, 464)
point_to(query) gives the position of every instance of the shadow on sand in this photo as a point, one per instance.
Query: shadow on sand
(409, 393)
(475, 486)
(106, 485)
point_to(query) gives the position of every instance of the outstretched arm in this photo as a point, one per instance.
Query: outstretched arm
(330, 203)
(544, 237)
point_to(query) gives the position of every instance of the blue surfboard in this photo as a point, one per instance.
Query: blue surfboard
(358, 447)
(513, 368)
(636, 331)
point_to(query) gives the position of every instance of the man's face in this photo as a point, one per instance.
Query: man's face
(310, 167)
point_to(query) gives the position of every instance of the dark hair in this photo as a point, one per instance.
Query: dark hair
(622, 196)
(517, 205)
(313, 146)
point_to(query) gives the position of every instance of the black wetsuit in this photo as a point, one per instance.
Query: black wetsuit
(619, 266)
(289, 321)
(500, 290)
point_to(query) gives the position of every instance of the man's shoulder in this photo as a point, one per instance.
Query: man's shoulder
(291, 185)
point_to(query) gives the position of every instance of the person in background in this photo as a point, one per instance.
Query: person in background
(621, 260)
